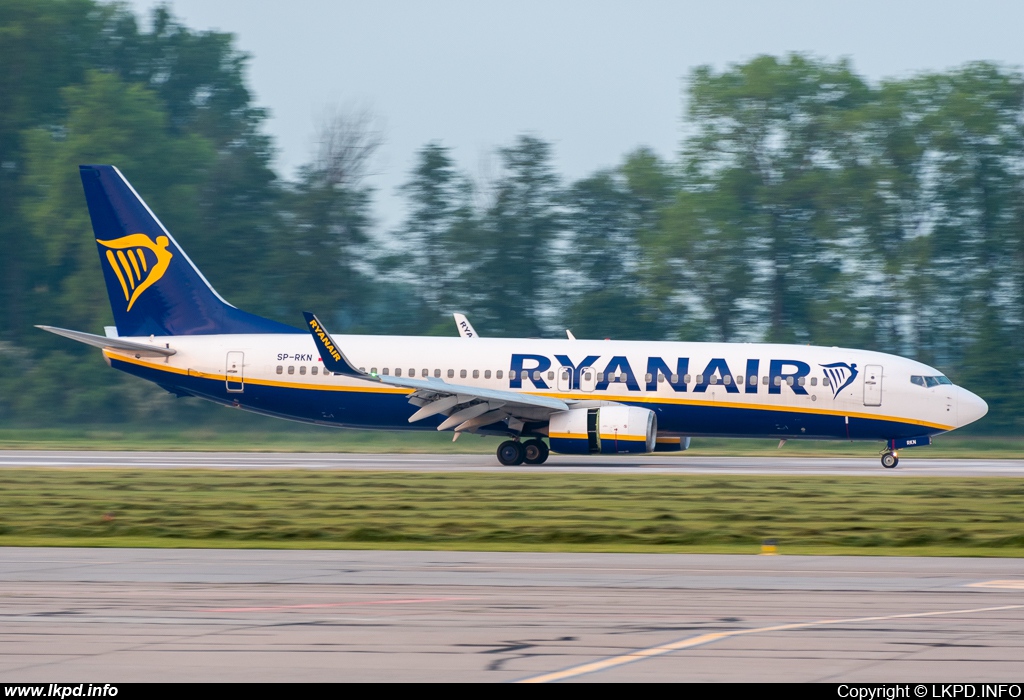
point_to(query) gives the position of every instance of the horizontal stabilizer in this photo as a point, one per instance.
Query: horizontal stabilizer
(100, 341)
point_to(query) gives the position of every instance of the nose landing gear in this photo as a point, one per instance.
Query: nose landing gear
(890, 459)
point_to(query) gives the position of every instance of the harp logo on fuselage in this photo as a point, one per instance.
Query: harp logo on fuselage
(137, 262)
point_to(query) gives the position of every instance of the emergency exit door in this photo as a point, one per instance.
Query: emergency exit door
(873, 385)
(233, 372)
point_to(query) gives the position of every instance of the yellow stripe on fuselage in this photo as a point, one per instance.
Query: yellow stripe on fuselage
(663, 400)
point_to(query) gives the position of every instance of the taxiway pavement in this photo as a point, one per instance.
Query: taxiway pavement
(118, 615)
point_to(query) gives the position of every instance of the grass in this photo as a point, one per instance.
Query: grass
(540, 512)
(255, 437)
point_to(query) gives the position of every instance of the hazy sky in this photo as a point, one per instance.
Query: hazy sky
(597, 79)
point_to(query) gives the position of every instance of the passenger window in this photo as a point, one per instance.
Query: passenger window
(814, 381)
(412, 373)
(398, 371)
(648, 377)
(764, 380)
(727, 379)
(280, 369)
(700, 378)
(600, 376)
(789, 380)
(437, 374)
(536, 376)
(315, 369)
(385, 371)
(661, 378)
(778, 381)
(511, 374)
(497, 375)
(739, 380)
(291, 369)
(487, 374)
(451, 374)
(674, 378)
(362, 369)
(302, 369)
(425, 373)
(686, 379)
(551, 376)
(825, 381)
(373, 371)
(462, 374)
(800, 381)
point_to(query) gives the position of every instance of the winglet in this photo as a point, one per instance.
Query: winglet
(466, 329)
(334, 359)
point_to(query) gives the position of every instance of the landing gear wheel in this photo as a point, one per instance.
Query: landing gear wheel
(889, 460)
(535, 452)
(511, 453)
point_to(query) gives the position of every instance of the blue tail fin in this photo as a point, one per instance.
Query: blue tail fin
(154, 288)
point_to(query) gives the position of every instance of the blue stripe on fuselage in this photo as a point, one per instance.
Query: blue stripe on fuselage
(391, 411)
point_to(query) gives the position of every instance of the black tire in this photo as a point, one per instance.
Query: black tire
(535, 452)
(889, 461)
(511, 453)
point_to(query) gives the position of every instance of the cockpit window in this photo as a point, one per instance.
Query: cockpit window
(929, 381)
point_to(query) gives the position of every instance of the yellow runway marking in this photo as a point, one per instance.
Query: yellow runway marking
(649, 652)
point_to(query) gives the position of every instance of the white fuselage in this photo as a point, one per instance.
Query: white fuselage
(735, 389)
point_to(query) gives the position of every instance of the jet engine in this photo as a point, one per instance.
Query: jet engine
(605, 430)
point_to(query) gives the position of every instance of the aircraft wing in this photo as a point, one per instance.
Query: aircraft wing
(101, 341)
(467, 407)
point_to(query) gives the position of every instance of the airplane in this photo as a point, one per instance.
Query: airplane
(583, 397)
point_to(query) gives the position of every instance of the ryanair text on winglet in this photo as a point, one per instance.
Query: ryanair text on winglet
(328, 346)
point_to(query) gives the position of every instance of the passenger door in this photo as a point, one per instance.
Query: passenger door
(873, 385)
(233, 374)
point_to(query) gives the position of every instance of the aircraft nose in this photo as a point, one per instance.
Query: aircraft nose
(970, 407)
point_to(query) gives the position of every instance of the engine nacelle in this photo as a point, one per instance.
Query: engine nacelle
(605, 430)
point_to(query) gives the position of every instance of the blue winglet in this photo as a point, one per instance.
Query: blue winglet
(334, 360)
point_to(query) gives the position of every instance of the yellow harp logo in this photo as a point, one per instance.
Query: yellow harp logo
(138, 262)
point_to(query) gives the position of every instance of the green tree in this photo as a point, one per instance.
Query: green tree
(321, 255)
(612, 218)
(772, 144)
(431, 242)
(111, 122)
(515, 246)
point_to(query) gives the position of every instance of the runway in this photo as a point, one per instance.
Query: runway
(641, 464)
(119, 615)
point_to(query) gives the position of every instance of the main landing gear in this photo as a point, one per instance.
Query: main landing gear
(890, 460)
(513, 452)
